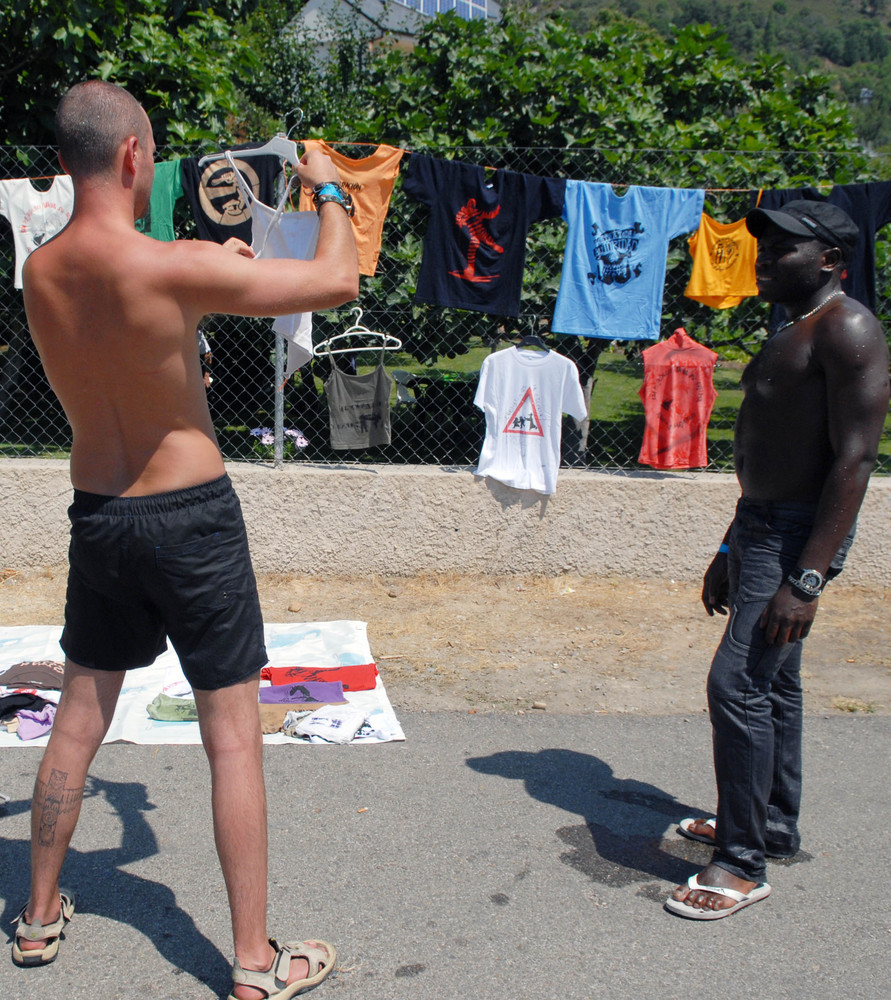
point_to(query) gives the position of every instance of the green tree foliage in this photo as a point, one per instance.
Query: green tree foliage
(519, 85)
(851, 35)
(295, 74)
(500, 94)
(179, 58)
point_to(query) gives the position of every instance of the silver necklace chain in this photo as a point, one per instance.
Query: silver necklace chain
(807, 315)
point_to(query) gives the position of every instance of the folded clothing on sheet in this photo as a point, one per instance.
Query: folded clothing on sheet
(34, 674)
(163, 708)
(320, 692)
(354, 677)
(33, 724)
(333, 723)
(30, 686)
(13, 703)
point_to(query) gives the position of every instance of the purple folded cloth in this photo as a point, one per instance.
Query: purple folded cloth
(35, 723)
(317, 692)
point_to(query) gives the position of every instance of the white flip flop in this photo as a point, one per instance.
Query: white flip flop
(761, 891)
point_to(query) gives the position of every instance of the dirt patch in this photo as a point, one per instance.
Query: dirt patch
(571, 645)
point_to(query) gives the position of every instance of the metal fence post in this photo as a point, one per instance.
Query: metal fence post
(279, 388)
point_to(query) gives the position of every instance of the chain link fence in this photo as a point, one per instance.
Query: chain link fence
(260, 417)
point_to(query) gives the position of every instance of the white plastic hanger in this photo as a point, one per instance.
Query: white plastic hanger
(279, 145)
(387, 341)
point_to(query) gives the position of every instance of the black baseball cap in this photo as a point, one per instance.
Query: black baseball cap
(818, 219)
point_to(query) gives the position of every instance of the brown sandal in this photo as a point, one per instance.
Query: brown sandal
(274, 981)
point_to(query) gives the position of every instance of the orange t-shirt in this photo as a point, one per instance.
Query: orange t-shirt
(370, 182)
(678, 395)
(723, 263)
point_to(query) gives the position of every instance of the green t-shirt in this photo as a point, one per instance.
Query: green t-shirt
(166, 191)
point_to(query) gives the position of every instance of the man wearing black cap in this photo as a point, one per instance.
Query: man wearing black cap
(806, 439)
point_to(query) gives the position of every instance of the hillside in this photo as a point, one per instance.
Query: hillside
(848, 39)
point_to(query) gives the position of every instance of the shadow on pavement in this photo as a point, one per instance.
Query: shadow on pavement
(101, 888)
(621, 841)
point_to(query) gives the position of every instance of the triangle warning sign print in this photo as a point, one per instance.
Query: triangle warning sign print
(524, 419)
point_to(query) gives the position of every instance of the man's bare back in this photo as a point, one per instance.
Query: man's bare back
(117, 344)
(113, 314)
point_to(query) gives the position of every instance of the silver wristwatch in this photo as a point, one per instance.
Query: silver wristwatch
(332, 191)
(808, 581)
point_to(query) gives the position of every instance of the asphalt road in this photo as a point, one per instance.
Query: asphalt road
(490, 857)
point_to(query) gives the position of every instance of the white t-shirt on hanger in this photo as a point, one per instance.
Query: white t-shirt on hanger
(287, 235)
(524, 395)
(35, 216)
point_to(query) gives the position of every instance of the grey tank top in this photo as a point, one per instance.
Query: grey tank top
(358, 407)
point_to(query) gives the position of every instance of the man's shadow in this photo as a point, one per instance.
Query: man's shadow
(621, 841)
(100, 887)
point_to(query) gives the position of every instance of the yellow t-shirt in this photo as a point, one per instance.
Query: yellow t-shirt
(370, 182)
(723, 263)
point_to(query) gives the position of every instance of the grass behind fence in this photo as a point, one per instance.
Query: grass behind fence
(614, 440)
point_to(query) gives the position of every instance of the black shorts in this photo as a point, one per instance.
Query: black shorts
(173, 564)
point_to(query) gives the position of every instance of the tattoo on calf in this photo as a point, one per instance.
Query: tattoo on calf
(53, 800)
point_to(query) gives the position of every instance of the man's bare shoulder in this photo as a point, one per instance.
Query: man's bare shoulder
(852, 310)
(196, 248)
(175, 253)
(850, 338)
(848, 324)
(196, 257)
(83, 245)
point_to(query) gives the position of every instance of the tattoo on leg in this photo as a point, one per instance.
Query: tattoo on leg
(53, 800)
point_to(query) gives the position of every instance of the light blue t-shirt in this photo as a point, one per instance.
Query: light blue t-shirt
(614, 263)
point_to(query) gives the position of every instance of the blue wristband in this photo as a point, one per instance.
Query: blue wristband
(332, 191)
(723, 548)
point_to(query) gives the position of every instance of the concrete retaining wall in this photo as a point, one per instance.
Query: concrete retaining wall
(409, 519)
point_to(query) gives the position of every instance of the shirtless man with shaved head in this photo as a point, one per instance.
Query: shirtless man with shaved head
(158, 545)
(806, 440)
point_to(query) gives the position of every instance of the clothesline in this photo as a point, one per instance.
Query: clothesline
(823, 186)
(474, 246)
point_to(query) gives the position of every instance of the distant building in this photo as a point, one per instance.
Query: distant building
(397, 21)
(468, 9)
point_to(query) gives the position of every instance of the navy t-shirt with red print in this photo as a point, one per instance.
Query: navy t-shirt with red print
(475, 244)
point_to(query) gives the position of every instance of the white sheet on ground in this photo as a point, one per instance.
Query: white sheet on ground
(306, 644)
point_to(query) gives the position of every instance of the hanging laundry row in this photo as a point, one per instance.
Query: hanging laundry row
(613, 270)
(524, 393)
(475, 244)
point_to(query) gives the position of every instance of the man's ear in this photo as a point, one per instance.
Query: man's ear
(65, 169)
(132, 152)
(833, 260)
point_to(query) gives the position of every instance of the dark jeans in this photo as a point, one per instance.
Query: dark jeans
(754, 694)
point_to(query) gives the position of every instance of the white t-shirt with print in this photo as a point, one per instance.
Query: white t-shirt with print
(35, 216)
(524, 395)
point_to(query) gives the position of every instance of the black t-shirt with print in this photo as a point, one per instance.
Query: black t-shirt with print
(217, 205)
(475, 244)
